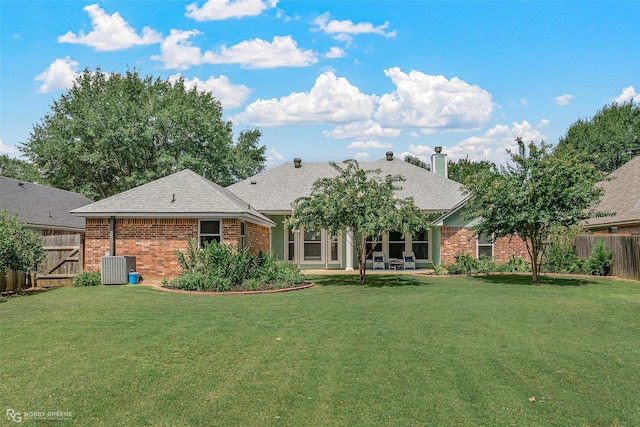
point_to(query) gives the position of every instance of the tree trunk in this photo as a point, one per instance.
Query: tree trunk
(362, 266)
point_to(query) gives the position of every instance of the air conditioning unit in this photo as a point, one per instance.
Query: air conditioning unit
(114, 270)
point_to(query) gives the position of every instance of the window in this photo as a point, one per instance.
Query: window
(333, 242)
(209, 231)
(370, 247)
(291, 240)
(420, 244)
(242, 235)
(396, 244)
(485, 245)
(312, 246)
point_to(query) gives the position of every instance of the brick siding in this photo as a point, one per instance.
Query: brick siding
(623, 230)
(154, 241)
(462, 240)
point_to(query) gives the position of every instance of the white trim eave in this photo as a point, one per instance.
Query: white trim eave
(440, 221)
(266, 222)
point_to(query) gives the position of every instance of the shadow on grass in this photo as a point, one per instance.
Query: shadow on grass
(525, 279)
(372, 281)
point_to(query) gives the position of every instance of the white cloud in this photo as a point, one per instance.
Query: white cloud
(524, 102)
(335, 52)
(177, 52)
(362, 157)
(213, 10)
(367, 128)
(564, 99)
(331, 99)
(110, 32)
(429, 101)
(58, 76)
(273, 159)
(368, 144)
(341, 30)
(414, 134)
(257, 53)
(6, 149)
(628, 94)
(229, 95)
(543, 123)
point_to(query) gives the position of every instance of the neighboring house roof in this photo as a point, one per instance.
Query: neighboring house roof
(184, 194)
(274, 190)
(621, 195)
(40, 206)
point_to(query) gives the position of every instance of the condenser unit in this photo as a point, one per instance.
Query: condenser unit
(114, 270)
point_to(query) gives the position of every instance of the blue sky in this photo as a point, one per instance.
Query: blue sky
(330, 80)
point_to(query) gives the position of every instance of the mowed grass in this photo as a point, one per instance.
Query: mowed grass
(401, 351)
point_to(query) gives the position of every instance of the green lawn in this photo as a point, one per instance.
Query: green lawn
(402, 351)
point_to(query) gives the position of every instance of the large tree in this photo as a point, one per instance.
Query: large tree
(466, 169)
(537, 191)
(19, 169)
(360, 201)
(112, 132)
(609, 139)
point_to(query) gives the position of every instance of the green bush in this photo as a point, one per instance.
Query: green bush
(466, 264)
(221, 267)
(560, 256)
(87, 278)
(600, 260)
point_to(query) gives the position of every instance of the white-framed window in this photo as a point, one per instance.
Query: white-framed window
(312, 246)
(485, 245)
(420, 244)
(291, 245)
(396, 244)
(243, 240)
(209, 231)
(370, 247)
(334, 248)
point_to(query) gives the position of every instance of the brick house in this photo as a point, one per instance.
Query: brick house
(273, 191)
(154, 220)
(621, 196)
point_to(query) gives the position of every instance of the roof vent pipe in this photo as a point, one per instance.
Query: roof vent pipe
(297, 162)
(438, 150)
(389, 156)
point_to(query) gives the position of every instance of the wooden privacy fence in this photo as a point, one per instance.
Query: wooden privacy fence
(625, 251)
(64, 260)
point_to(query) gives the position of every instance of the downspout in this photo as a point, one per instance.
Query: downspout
(112, 236)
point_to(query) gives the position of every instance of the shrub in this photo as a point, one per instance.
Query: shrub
(221, 267)
(87, 278)
(600, 260)
(560, 256)
(466, 264)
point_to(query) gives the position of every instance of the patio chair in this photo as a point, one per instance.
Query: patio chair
(409, 259)
(378, 260)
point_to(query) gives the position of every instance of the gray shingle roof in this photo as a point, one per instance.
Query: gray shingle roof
(621, 195)
(274, 190)
(41, 206)
(183, 194)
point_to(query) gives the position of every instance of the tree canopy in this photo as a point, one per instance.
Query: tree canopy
(360, 201)
(537, 191)
(112, 132)
(466, 169)
(609, 139)
(19, 169)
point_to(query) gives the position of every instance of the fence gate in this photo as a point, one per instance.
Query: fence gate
(64, 259)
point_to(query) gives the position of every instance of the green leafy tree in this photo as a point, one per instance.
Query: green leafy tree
(112, 132)
(609, 139)
(416, 161)
(536, 192)
(19, 169)
(20, 247)
(465, 169)
(360, 201)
